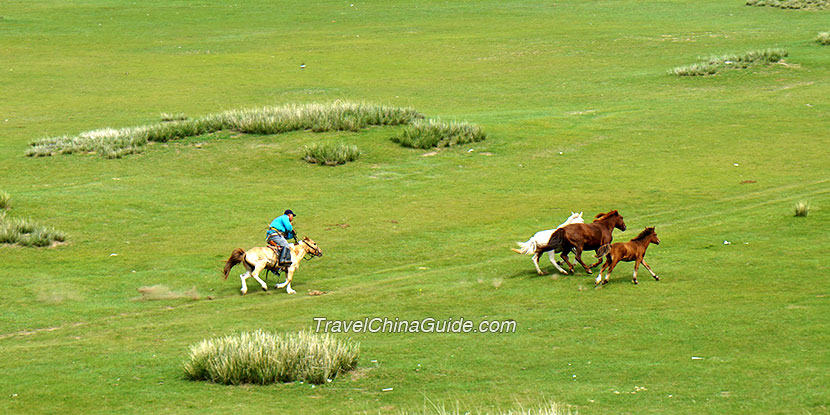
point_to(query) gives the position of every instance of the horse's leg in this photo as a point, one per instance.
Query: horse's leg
(564, 256)
(536, 262)
(244, 277)
(604, 268)
(289, 276)
(610, 268)
(552, 254)
(636, 267)
(259, 267)
(649, 270)
(578, 256)
(596, 263)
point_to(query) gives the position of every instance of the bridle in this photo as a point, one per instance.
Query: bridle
(313, 251)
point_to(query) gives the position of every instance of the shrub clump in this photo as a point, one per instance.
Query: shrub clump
(715, 64)
(436, 133)
(336, 116)
(791, 4)
(262, 358)
(823, 38)
(331, 154)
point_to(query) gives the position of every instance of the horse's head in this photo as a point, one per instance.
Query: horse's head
(613, 217)
(313, 249)
(654, 239)
(575, 218)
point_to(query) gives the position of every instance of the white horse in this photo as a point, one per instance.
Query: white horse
(259, 258)
(540, 240)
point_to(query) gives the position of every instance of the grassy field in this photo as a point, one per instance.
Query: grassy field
(580, 115)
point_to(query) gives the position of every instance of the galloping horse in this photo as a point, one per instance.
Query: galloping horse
(536, 244)
(259, 258)
(585, 236)
(633, 250)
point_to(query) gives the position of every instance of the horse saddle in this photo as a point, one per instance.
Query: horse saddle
(279, 260)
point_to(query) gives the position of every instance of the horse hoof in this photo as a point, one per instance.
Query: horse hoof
(264, 288)
(292, 292)
(636, 283)
(604, 282)
(657, 278)
(589, 271)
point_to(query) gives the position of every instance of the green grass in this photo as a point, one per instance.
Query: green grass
(22, 231)
(331, 154)
(580, 116)
(715, 64)
(262, 358)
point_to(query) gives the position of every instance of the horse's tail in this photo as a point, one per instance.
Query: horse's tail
(526, 248)
(557, 240)
(603, 250)
(236, 257)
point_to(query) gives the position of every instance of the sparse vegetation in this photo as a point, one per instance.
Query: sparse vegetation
(331, 154)
(802, 209)
(336, 116)
(791, 4)
(715, 64)
(262, 358)
(437, 133)
(823, 38)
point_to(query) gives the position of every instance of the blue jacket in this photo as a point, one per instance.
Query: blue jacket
(283, 225)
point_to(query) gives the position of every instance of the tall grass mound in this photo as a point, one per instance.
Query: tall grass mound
(823, 38)
(715, 64)
(335, 116)
(791, 4)
(262, 358)
(24, 232)
(331, 154)
(436, 133)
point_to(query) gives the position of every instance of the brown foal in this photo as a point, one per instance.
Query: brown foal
(633, 250)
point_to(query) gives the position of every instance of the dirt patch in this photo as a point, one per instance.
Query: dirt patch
(162, 292)
(315, 292)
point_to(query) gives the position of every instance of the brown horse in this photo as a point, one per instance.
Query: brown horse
(259, 258)
(585, 236)
(633, 250)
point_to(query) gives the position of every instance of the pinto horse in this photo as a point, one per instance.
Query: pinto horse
(585, 236)
(259, 258)
(537, 243)
(633, 250)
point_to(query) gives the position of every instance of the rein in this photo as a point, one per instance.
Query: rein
(308, 254)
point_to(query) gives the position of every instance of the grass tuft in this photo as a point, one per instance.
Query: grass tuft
(544, 408)
(823, 38)
(335, 116)
(262, 358)
(24, 232)
(715, 64)
(436, 133)
(791, 4)
(167, 117)
(5, 200)
(802, 209)
(331, 154)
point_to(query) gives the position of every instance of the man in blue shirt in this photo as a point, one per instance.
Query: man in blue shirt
(280, 230)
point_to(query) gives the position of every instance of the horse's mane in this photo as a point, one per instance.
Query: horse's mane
(644, 234)
(602, 216)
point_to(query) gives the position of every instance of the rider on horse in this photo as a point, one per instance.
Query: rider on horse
(280, 230)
